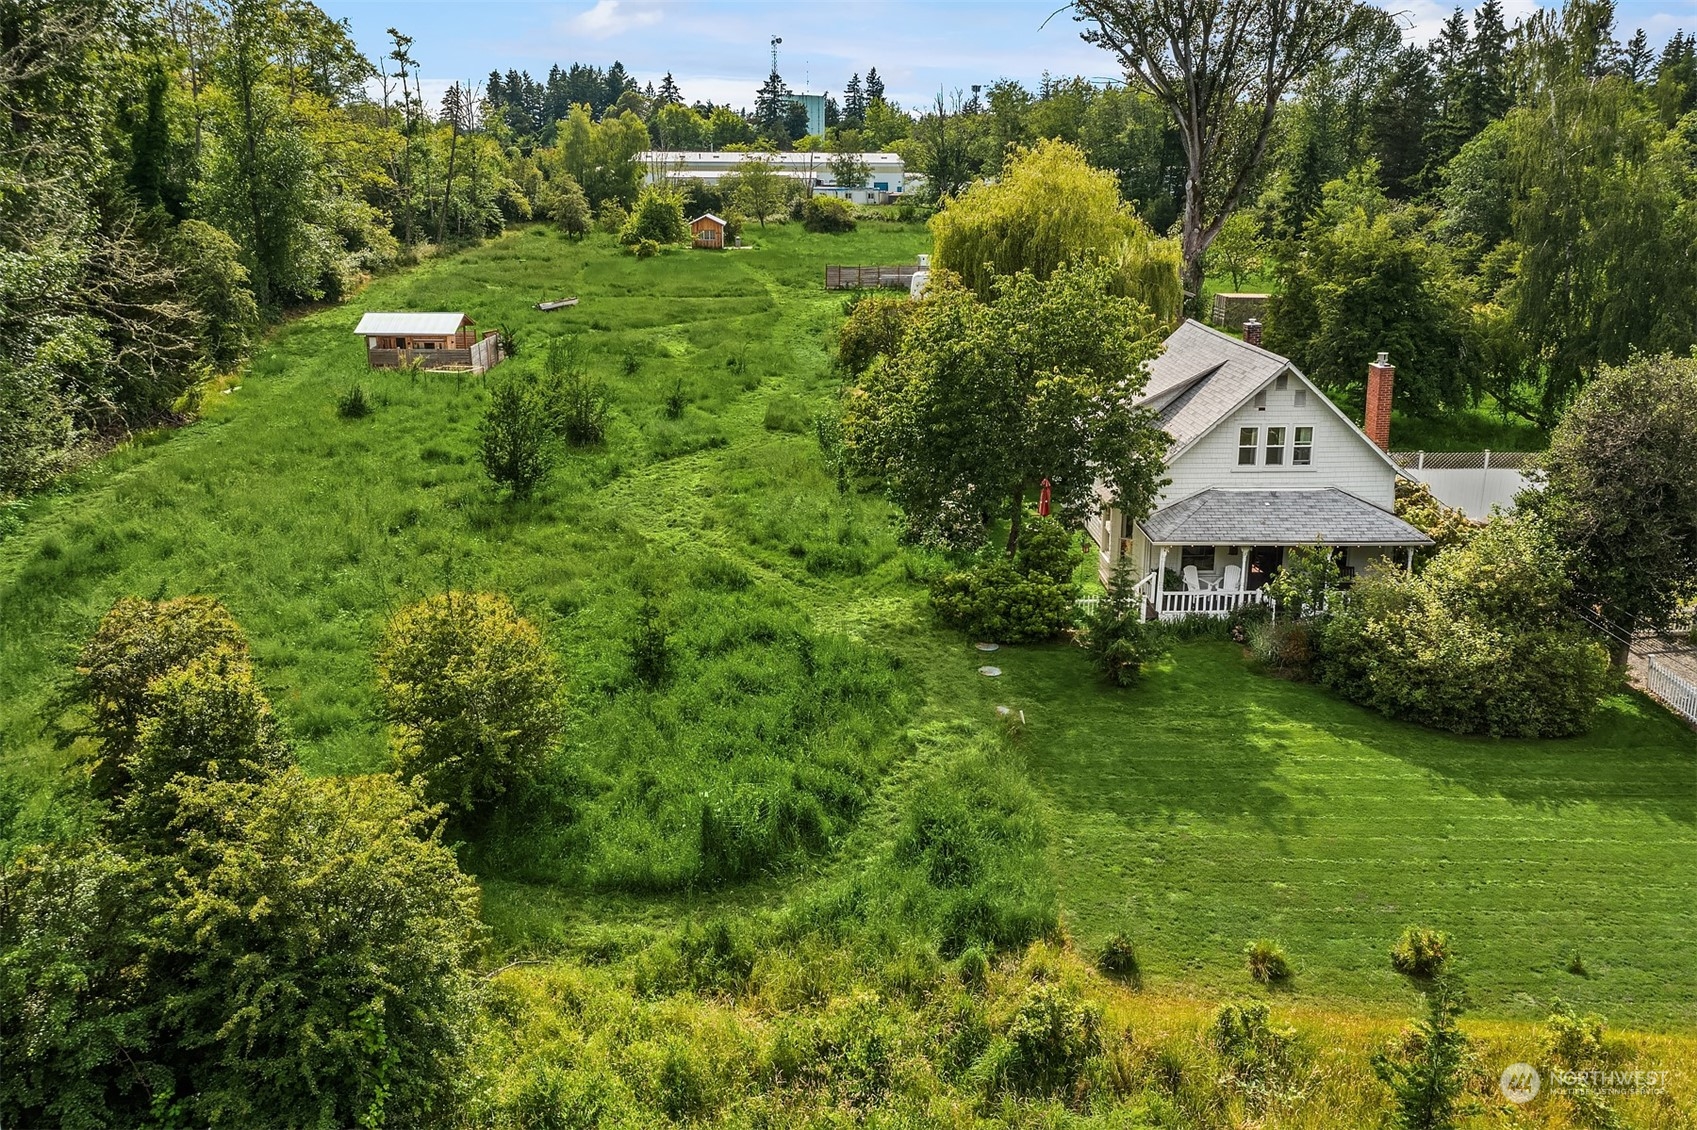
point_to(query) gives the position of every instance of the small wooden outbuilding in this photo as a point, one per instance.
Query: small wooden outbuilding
(440, 340)
(708, 230)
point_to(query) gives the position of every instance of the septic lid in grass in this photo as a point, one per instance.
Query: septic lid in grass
(987, 646)
(992, 672)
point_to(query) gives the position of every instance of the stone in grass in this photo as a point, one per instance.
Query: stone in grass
(988, 646)
(990, 672)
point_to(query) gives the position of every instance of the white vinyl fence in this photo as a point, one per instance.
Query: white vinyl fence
(1471, 481)
(1672, 689)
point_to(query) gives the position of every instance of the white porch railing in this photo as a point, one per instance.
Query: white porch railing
(1210, 602)
(1680, 695)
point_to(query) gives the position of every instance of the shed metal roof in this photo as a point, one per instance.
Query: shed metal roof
(1327, 516)
(406, 324)
(708, 216)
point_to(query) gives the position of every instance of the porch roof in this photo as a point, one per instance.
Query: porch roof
(1325, 516)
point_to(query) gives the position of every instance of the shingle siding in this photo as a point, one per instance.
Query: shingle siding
(1342, 457)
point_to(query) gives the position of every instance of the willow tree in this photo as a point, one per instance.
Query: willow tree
(1221, 69)
(1050, 208)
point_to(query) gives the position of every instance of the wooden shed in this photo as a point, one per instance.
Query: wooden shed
(708, 230)
(440, 340)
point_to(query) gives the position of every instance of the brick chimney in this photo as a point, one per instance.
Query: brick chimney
(1381, 378)
(1252, 331)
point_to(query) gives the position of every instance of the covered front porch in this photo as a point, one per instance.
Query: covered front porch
(1213, 553)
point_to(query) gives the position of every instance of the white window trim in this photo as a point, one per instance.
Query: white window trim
(1310, 445)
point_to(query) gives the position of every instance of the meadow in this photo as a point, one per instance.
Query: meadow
(802, 766)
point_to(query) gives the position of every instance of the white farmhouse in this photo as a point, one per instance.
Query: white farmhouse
(1261, 461)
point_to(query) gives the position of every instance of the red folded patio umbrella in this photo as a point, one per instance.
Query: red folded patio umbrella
(1043, 500)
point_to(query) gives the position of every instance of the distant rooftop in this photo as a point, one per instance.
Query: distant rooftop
(731, 158)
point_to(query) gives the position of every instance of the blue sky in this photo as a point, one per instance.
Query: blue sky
(718, 49)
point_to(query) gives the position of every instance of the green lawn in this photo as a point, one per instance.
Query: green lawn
(1203, 808)
(1214, 804)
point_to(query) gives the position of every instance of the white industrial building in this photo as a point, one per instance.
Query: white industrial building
(886, 176)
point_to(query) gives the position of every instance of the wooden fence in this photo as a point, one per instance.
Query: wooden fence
(867, 278)
(1672, 689)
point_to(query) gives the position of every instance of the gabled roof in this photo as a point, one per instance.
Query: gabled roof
(708, 216)
(1325, 516)
(404, 324)
(1204, 375)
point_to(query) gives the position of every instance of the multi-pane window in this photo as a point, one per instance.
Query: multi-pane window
(1275, 447)
(1246, 440)
(1302, 450)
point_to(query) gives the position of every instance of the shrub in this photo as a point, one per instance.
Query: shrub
(1256, 1054)
(873, 328)
(578, 404)
(1301, 585)
(1119, 959)
(137, 642)
(675, 401)
(645, 248)
(207, 719)
(1267, 961)
(1051, 1040)
(657, 218)
(1420, 952)
(1285, 646)
(973, 967)
(1420, 508)
(514, 439)
(1028, 598)
(998, 602)
(650, 646)
(826, 214)
(353, 403)
(610, 217)
(1477, 642)
(568, 207)
(471, 695)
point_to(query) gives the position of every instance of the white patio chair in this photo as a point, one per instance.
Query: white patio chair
(1192, 580)
(1233, 577)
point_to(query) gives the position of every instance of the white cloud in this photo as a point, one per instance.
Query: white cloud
(614, 17)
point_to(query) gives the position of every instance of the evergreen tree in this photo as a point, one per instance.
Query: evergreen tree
(668, 94)
(1401, 120)
(1492, 92)
(1637, 61)
(854, 103)
(874, 86)
(771, 107)
(1453, 58)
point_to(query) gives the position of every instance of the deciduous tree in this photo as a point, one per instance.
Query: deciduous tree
(1221, 68)
(1620, 492)
(986, 399)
